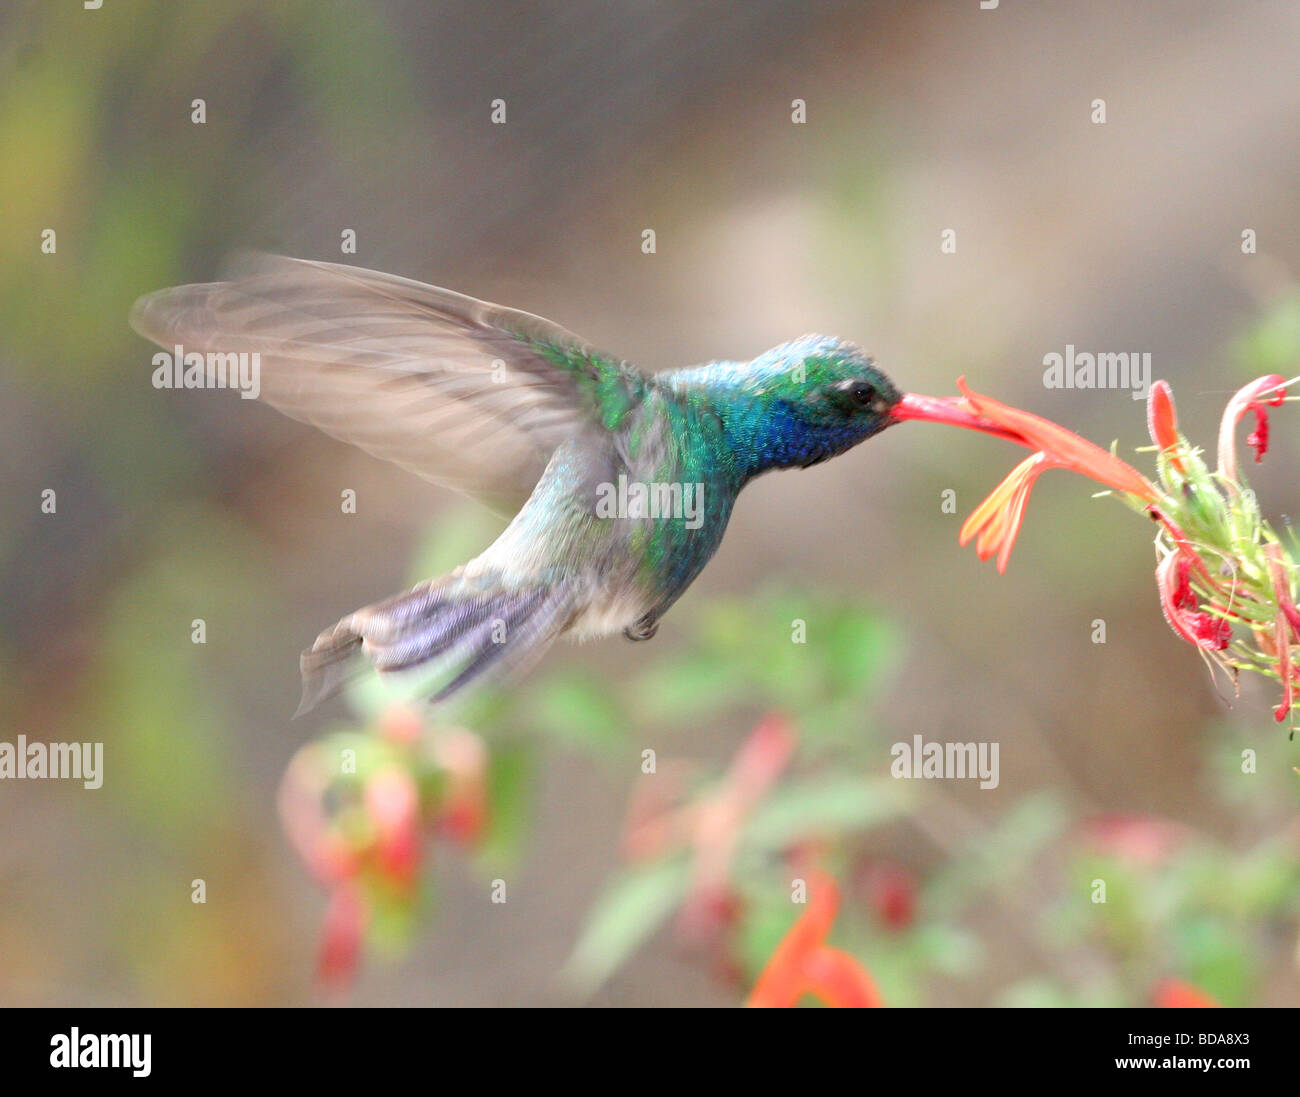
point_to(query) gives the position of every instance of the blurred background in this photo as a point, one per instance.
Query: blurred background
(1119, 761)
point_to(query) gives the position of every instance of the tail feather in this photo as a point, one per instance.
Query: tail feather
(444, 631)
(386, 620)
(328, 666)
(445, 624)
(533, 627)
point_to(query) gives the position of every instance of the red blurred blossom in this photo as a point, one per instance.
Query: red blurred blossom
(341, 936)
(393, 806)
(891, 893)
(327, 854)
(1176, 994)
(1267, 390)
(717, 820)
(463, 810)
(711, 826)
(655, 825)
(1143, 839)
(401, 724)
(392, 853)
(804, 964)
(374, 846)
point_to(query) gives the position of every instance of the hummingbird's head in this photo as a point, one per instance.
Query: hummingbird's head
(811, 399)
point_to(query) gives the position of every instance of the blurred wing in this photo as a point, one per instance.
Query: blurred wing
(459, 391)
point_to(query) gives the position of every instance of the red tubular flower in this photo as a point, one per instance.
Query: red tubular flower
(1285, 628)
(656, 824)
(328, 856)
(997, 520)
(1282, 641)
(463, 811)
(1162, 421)
(717, 821)
(1267, 390)
(1175, 994)
(1197, 627)
(340, 946)
(1062, 448)
(952, 410)
(891, 891)
(762, 758)
(1141, 839)
(804, 964)
(1184, 546)
(393, 804)
(1230, 572)
(401, 724)
(1282, 586)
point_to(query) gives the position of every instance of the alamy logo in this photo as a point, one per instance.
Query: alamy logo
(78, 1049)
(951, 761)
(182, 369)
(634, 499)
(82, 762)
(1082, 369)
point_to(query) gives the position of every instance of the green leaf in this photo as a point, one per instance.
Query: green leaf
(577, 709)
(1034, 994)
(949, 950)
(633, 906)
(684, 690)
(827, 804)
(511, 778)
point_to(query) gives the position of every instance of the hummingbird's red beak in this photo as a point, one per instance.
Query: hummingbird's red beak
(953, 410)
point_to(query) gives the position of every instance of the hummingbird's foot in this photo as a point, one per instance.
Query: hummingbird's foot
(644, 629)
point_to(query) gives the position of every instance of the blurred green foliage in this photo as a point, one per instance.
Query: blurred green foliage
(156, 529)
(1175, 902)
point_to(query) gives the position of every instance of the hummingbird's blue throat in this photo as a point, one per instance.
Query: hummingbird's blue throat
(793, 406)
(777, 436)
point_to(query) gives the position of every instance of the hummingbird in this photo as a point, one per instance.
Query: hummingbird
(618, 483)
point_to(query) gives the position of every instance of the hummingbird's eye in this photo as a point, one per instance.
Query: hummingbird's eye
(862, 393)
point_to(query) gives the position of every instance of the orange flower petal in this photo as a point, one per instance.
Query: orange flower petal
(1014, 516)
(840, 981)
(804, 964)
(1176, 994)
(998, 518)
(997, 499)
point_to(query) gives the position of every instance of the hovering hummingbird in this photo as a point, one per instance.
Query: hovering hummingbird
(620, 482)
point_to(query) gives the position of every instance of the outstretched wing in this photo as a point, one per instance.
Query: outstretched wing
(459, 391)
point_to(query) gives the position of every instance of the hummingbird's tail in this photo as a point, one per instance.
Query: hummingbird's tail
(443, 635)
